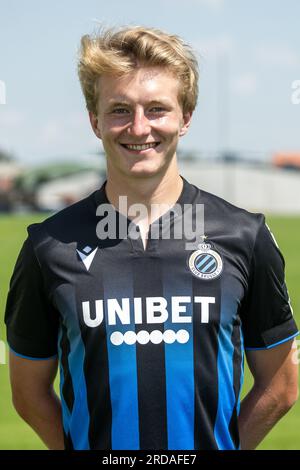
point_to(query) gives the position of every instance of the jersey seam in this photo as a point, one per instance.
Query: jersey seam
(252, 255)
(49, 294)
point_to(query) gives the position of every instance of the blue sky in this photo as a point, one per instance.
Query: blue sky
(249, 56)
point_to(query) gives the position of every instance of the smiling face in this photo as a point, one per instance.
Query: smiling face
(140, 121)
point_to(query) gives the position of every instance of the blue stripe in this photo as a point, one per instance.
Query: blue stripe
(80, 419)
(202, 261)
(227, 399)
(32, 358)
(242, 370)
(122, 367)
(273, 345)
(213, 261)
(66, 416)
(179, 366)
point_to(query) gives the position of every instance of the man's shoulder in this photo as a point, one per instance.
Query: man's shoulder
(223, 210)
(67, 224)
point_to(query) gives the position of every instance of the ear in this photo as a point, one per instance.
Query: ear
(186, 121)
(94, 124)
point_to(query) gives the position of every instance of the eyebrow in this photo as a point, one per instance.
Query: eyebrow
(118, 103)
(124, 102)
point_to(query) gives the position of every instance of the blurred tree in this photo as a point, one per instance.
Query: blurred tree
(6, 156)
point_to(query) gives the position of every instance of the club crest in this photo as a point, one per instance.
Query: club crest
(205, 263)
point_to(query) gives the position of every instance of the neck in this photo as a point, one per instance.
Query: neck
(164, 188)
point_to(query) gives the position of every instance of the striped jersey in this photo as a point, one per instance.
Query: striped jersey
(150, 341)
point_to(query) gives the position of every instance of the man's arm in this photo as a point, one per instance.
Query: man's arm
(35, 400)
(274, 392)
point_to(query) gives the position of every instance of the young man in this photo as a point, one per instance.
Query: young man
(150, 331)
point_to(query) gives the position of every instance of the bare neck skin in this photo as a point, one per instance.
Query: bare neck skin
(163, 188)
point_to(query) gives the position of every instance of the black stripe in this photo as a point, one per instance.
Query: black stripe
(200, 259)
(150, 361)
(68, 442)
(203, 266)
(67, 388)
(237, 364)
(206, 365)
(96, 361)
(211, 268)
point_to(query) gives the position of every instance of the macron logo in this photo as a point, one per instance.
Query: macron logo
(87, 256)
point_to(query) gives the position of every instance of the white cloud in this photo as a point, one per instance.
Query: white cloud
(209, 48)
(10, 118)
(68, 134)
(244, 85)
(58, 129)
(2, 92)
(277, 55)
(50, 133)
(213, 4)
(216, 4)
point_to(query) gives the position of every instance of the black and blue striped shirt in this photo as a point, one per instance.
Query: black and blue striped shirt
(150, 341)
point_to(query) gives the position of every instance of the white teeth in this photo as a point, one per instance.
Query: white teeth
(141, 147)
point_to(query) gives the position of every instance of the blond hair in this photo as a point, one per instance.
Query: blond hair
(118, 52)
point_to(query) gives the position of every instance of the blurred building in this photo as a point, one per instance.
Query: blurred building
(243, 181)
(61, 192)
(256, 187)
(289, 160)
(54, 186)
(9, 171)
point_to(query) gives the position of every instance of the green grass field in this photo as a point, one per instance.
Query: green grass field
(15, 434)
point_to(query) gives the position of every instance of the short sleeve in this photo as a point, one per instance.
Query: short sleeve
(266, 313)
(31, 319)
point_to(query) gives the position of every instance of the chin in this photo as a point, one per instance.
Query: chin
(144, 170)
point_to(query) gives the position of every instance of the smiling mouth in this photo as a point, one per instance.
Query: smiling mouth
(140, 147)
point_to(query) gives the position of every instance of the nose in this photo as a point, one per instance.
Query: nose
(140, 125)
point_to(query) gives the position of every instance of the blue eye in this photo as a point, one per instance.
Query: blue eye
(157, 109)
(120, 111)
